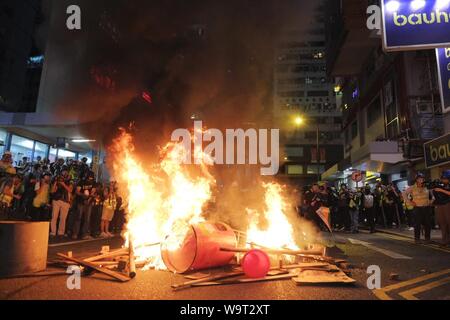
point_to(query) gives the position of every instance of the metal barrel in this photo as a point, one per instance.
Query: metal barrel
(201, 248)
(23, 247)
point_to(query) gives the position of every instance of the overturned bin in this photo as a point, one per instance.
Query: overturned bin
(201, 248)
(23, 247)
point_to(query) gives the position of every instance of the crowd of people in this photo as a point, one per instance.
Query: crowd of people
(67, 194)
(420, 207)
(64, 192)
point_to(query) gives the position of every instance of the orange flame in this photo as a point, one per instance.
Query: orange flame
(277, 231)
(155, 211)
(169, 197)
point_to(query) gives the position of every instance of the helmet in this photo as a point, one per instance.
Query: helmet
(445, 174)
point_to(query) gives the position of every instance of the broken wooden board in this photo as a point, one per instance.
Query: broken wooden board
(188, 284)
(245, 280)
(115, 275)
(107, 255)
(332, 276)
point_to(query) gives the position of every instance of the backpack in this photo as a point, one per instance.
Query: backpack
(368, 201)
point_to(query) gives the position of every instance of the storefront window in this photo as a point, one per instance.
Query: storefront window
(66, 154)
(20, 148)
(40, 150)
(313, 169)
(53, 154)
(88, 155)
(294, 169)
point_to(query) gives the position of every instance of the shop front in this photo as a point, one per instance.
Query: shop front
(437, 155)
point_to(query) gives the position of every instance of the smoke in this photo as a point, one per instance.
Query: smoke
(214, 59)
(210, 58)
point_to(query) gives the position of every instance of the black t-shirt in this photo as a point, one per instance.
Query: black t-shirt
(442, 198)
(30, 183)
(314, 200)
(61, 193)
(344, 198)
(86, 187)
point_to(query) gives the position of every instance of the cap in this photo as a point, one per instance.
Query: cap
(419, 175)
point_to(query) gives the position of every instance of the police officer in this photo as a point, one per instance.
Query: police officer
(420, 198)
(442, 202)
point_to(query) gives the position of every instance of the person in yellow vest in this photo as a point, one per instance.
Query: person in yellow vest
(42, 199)
(109, 206)
(409, 211)
(6, 167)
(8, 193)
(421, 199)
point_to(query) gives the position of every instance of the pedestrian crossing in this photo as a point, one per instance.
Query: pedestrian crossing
(411, 288)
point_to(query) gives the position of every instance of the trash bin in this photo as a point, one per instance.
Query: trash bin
(23, 247)
(201, 248)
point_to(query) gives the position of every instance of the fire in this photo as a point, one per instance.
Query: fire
(276, 231)
(166, 201)
(167, 198)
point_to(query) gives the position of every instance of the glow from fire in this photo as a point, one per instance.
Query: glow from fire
(166, 199)
(165, 202)
(272, 228)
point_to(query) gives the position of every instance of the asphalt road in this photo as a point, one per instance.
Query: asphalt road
(424, 273)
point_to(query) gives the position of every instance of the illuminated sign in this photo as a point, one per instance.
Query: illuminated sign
(437, 152)
(415, 24)
(443, 62)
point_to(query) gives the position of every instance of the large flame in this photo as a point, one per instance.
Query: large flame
(166, 198)
(166, 201)
(271, 229)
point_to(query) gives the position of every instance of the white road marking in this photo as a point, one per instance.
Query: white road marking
(386, 252)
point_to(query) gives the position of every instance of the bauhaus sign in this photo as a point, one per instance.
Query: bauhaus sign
(415, 24)
(437, 152)
(443, 62)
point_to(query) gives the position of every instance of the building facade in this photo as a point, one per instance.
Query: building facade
(21, 60)
(304, 104)
(390, 101)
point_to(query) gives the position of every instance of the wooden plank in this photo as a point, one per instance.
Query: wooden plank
(212, 278)
(115, 275)
(300, 253)
(246, 280)
(334, 275)
(207, 279)
(111, 254)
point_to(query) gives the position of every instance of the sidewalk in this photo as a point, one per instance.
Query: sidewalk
(59, 241)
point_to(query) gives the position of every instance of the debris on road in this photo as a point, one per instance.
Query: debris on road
(331, 275)
(394, 276)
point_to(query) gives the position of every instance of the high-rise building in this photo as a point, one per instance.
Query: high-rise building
(304, 104)
(21, 60)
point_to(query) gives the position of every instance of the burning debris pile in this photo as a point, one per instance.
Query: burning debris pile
(168, 228)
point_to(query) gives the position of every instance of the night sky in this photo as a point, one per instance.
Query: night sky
(211, 58)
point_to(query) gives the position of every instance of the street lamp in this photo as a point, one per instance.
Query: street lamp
(298, 121)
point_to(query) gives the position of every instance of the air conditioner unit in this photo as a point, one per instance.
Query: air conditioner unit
(424, 107)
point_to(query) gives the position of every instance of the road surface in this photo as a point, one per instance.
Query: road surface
(424, 273)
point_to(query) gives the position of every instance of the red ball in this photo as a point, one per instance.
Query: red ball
(256, 264)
